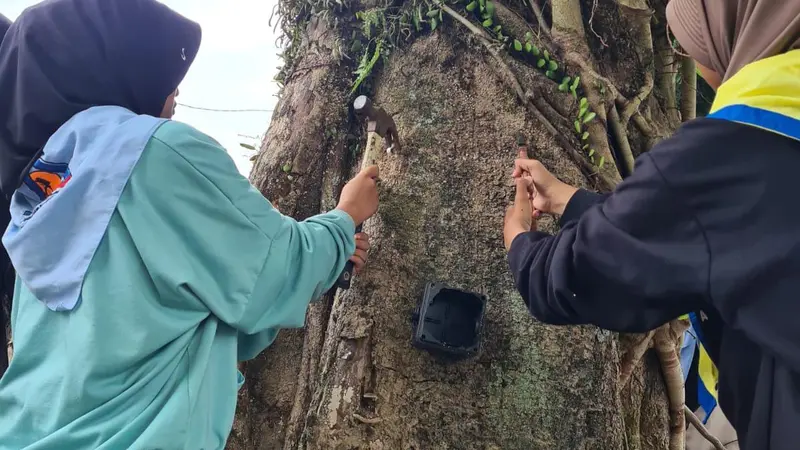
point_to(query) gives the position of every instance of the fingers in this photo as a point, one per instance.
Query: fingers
(531, 166)
(362, 241)
(359, 259)
(523, 190)
(370, 172)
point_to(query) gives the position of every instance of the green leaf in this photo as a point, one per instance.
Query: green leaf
(517, 45)
(497, 29)
(471, 7)
(287, 167)
(575, 83)
(541, 63)
(434, 23)
(487, 23)
(528, 36)
(602, 162)
(591, 152)
(585, 136)
(583, 111)
(550, 74)
(566, 81)
(546, 55)
(563, 88)
(585, 146)
(247, 146)
(578, 127)
(528, 47)
(589, 117)
(552, 65)
(433, 13)
(490, 8)
(584, 102)
(416, 22)
(483, 4)
(535, 51)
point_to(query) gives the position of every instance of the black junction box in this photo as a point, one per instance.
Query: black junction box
(448, 322)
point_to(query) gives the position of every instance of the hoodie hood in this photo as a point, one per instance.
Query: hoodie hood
(61, 57)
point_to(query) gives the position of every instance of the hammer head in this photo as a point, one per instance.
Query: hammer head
(378, 121)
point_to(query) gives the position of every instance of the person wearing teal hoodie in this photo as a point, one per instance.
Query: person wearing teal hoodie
(147, 266)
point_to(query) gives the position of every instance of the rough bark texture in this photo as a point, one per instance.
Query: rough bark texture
(351, 379)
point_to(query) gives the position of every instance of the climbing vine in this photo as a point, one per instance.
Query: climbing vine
(368, 36)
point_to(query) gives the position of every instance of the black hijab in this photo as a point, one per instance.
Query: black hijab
(61, 57)
(6, 275)
(64, 56)
(5, 23)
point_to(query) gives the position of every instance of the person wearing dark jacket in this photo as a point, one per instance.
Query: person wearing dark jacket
(706, 223)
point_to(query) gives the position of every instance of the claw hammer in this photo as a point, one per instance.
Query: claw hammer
(381, 131)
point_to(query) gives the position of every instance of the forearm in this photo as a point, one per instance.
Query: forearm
(559, 290)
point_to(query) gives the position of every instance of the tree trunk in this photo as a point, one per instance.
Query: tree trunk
(459, 96)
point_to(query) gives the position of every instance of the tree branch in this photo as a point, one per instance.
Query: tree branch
(688, 89)
(702, 429)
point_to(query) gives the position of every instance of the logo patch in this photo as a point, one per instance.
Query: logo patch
(46, 178)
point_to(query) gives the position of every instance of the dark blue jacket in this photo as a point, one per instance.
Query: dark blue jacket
(705, 223)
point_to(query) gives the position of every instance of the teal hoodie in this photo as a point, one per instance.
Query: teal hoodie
(195, 271)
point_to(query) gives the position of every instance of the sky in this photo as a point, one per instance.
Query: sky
(235, 68)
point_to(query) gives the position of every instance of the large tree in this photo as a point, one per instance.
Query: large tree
(589, 84)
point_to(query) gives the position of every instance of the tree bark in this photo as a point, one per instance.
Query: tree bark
(351, 379)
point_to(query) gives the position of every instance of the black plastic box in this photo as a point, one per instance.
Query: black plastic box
(448, 322)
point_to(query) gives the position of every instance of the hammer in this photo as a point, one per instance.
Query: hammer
(381, 130)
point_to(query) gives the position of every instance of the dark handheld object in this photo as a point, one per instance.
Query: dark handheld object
(347, 274)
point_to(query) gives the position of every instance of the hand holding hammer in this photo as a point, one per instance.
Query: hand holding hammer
(381, 130)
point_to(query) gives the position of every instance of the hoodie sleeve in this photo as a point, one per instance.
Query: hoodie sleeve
(215, 244)
(629, 264)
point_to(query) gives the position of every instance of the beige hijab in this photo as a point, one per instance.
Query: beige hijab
(726, 35)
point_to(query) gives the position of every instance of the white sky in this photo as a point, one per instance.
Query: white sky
(239, 48)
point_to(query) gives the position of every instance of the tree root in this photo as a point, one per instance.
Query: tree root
(624, 154)
(640, 13)
(603, 183)
(688, 89)
(665, 68)
(537, 11)
(702, 429)
(632, 357)
(664, 343)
